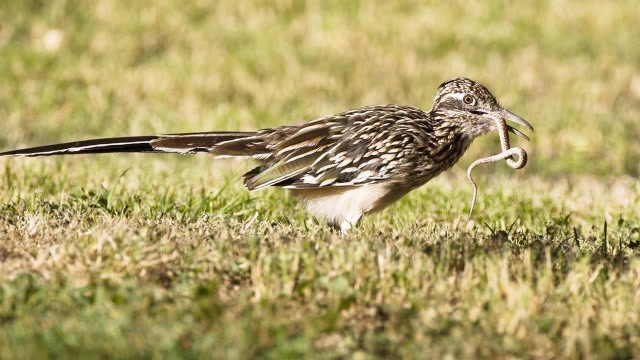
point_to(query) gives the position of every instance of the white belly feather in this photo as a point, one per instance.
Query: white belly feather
(345, 205)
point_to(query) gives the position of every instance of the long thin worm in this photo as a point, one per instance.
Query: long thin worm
(507, 154)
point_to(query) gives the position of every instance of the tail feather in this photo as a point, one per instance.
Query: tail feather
(217, 143)
(96, 146)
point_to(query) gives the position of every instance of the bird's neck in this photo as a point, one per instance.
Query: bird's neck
(445, 141)
(454, 135)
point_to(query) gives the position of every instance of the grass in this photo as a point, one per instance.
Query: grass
(167, 256)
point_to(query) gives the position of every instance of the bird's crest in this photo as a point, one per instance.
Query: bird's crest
(452, 92)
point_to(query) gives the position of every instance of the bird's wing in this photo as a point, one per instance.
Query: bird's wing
(294, 150)
(353, 148)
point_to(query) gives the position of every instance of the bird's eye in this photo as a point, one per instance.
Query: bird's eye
(468, 99)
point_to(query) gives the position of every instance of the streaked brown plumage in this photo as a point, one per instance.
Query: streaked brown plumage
(344, 165)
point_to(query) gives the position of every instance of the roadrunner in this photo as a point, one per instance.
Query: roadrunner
(348, 164)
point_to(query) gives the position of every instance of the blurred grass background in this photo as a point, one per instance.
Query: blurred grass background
(167, 256)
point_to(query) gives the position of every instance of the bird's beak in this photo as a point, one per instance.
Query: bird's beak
(509, 116)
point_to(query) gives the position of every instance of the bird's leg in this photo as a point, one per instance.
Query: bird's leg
(349, 222)
(507, 154)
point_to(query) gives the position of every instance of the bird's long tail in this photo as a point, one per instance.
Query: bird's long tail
(221, 144)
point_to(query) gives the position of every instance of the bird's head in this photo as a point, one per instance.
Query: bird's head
(470, 107)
